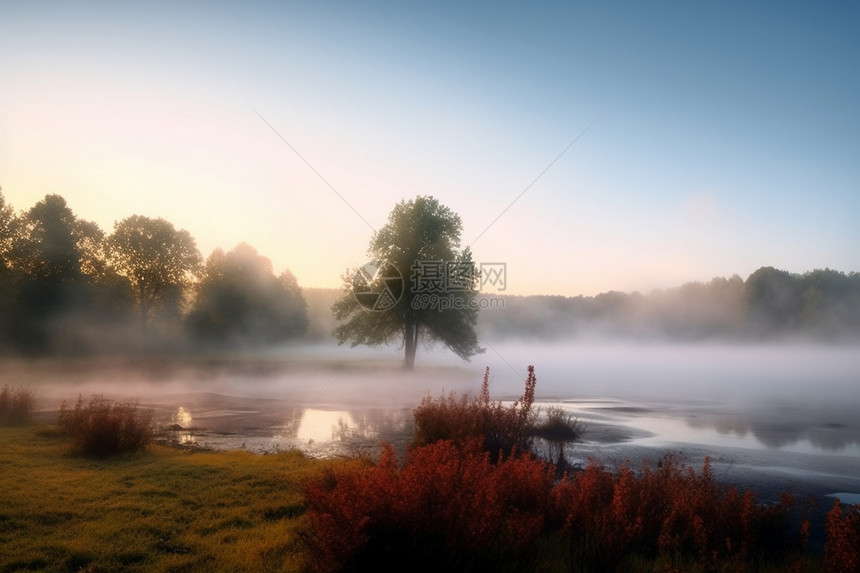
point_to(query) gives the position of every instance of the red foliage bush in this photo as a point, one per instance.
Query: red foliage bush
(450, 508)
(506, 430)
(842, 548)
(471, 497)
(102, 428)
(447, 508)
(670, 513)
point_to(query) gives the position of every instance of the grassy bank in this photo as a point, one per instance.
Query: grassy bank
(158, 510)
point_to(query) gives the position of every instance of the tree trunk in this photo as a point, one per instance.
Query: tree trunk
(144, 313)
(410, 343)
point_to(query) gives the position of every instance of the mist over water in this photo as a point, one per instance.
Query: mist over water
(759, 410)
(737, 376)
(732, 373)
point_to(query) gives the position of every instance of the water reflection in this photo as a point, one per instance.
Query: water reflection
(830, 431)
(797, 428)
(323, 425)
(181, 430)
(185, 439)
(182, 418)
(275, 426)
(278, 426)
(320, 432)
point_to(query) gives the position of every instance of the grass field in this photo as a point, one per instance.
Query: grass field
(159, 510)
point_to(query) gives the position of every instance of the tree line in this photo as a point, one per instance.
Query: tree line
(67, 286)
(822, 304)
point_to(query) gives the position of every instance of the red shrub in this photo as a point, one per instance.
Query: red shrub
(447, 507)
(670, 512)
(465, 500)
(842, 548)
(450, 508)
(506, 430)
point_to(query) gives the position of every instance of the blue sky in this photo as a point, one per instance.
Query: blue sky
(727, 136)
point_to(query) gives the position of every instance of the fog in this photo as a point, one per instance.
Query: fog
(735, 373)
(737, 378)
(770, 415)
(328, 374)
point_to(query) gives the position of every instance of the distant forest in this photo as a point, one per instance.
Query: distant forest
(68, 287)
(770, 304)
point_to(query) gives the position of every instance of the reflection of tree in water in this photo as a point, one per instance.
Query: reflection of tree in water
(723, 424)
(833, 436)
(825, 429)
(376, 425)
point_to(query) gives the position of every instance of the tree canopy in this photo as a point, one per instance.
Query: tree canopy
(420, 285)
(239, 299)
(68, 288)
(159, 262)
(49, 263)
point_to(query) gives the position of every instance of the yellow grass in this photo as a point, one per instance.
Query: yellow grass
(159, 510)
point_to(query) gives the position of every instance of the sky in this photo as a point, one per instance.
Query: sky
(589, 146)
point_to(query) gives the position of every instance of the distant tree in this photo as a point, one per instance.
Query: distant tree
(831, 302)
(158, 261)
(54, 257)
(240, 299)
(696, 310)
(422, 241)
(775, 300)
(824, 304)
(610, 305)
(8, 288)
(7, 232)
(47, 244)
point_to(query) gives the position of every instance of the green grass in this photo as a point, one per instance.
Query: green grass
(158, 510)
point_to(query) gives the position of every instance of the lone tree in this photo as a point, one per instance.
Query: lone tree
(419, 284)
(158, 261)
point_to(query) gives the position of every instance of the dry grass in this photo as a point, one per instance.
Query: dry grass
(103, 428)
(16, 405)
(558, 429)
